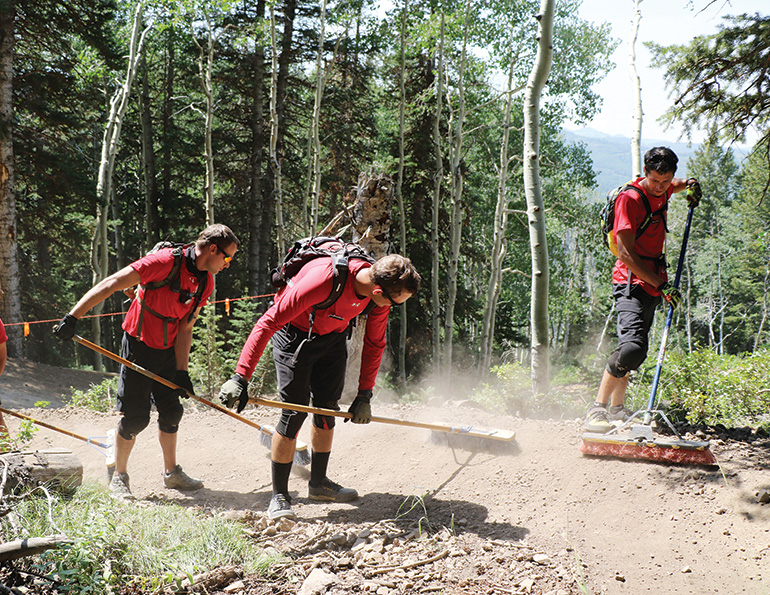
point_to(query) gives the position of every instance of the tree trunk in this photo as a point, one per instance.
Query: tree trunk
(60, 469)
(100, 256)
(275, 135)
(535, 208)
(636, 132)
(167, 125)
(316, 122)
(400, 195)
(205, 69)
(456, 216)
(437, 181)
(10, 305)
(151, 225)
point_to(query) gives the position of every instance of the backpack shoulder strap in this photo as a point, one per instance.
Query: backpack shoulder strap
(173, 274)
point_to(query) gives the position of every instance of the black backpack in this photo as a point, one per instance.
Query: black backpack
(607, 215)
(307, 249)
(172, 279)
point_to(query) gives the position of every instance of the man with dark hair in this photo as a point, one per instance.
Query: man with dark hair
(174, 283)
(315, 365)
(639, 277)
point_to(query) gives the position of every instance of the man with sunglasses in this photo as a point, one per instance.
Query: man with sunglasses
(313, 363)
(640, 280)
(174, 283)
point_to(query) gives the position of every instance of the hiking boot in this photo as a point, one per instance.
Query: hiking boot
(621, 414)
(329, 491)
(280, 507)
(597, 421)
(119, 487)
(179, 480)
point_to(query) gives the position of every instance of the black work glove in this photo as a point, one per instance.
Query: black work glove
(235, 390)
(182, 380)
(671, 294)
(65, 330)
(360, 408)
(693, 194)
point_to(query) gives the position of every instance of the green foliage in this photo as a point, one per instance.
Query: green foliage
(114, 544)
(99, 397)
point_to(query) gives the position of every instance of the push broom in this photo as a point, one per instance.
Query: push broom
(301, 454)
(638, 440)
(466, 437)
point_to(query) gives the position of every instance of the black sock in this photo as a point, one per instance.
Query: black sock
(281, 473)
(318, 466)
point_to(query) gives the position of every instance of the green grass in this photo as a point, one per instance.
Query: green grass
(115, 543)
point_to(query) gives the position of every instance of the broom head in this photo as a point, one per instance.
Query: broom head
(679, 451)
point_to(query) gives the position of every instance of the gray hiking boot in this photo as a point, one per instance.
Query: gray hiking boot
(329, 491)
(119, 487)
(179, 480)
(621, 414)
(597, 421)
(280, 507)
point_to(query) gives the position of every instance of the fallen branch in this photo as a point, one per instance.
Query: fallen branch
(435, 558)
(21, 548)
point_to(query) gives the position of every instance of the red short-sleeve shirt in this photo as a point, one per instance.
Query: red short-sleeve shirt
(3, 336)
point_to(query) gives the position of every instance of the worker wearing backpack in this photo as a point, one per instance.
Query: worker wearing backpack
(313, 362)
(639, 277)
(174, 283)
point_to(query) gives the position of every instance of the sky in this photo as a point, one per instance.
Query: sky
(665, 22)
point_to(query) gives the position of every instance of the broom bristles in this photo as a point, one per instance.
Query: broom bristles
(681, 452)
(301, 454)
(474, 443)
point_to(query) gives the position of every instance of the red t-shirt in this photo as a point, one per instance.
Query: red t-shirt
(630, 213)
(293, 304)
(164, 301)
(3, 336)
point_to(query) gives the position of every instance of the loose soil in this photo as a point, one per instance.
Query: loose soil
(541, 518)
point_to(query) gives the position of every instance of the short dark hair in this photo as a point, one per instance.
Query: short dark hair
(660, 159)
(396, 274)
(217, 234)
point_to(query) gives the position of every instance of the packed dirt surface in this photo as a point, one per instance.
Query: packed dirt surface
(539, 518)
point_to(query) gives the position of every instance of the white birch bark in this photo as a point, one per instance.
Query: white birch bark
(315, 125)
(275, 159)
(439, 175)
(636, 131)
(100, 255)
(456, 210)
(535, 207)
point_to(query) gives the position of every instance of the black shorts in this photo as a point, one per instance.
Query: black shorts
(136, 392)
(317, 373)
(636, 312)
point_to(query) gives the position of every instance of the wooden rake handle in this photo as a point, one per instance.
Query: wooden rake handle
(164, 381)
(54, 428)
(478, 432)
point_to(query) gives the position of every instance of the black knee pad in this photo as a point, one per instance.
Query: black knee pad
(129, 427)
(323, 422)
(629, 357)
(290, 423)
(169, 418)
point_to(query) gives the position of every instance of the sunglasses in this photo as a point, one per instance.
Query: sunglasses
(228, 258)
(387, 295)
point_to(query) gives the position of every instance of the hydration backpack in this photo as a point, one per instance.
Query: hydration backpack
(607, 215)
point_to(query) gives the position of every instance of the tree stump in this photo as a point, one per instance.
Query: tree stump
(58, 469)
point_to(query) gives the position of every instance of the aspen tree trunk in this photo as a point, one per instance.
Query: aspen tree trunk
(636, 132)
(456, 219)
(151, 226)
(10, 305)
(275, 127)
(439, 175)
(535, 208)
(400, 194)
(763, 320)
(205, 69)
(100, 255)
(316, 122)
(167, 122)
(500, 223)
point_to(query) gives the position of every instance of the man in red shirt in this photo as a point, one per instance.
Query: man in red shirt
(313, 364)
(158, 336)
(638, 292)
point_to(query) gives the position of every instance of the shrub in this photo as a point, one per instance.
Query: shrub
(100, 397)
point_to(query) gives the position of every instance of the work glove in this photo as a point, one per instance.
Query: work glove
(671, 294)
(65, 330)
(693, 193)
(182, 380)
(360, 408)
(235, 390)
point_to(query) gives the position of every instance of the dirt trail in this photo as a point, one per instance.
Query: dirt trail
(614, 526)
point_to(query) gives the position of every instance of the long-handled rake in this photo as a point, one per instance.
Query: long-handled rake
(641, 443)
(301, 455)
(466, 437)
(107, 448)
